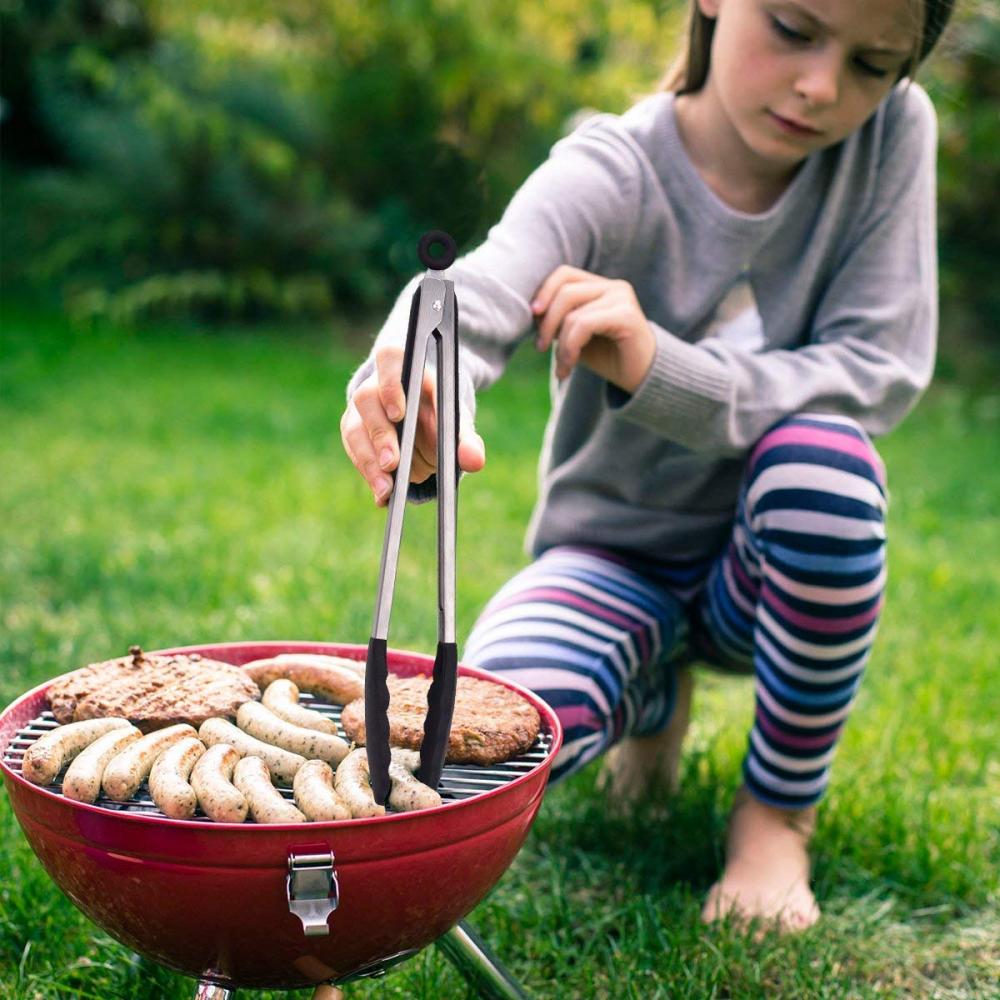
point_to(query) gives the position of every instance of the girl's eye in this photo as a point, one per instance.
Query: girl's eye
(786, 32)
(869, 70)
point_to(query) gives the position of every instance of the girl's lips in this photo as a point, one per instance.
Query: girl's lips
(792, 127)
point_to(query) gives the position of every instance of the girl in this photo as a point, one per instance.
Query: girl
(737, 280)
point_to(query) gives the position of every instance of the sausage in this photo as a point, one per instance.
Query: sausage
(407, 793)
(168, 779)
(252, 778)
(327, 677)
(354, 785)
(281, 763)
(45, 758)
(82, 781)
(282, 698)
(127, 770)
(211, 779)
(258, 720)
(315, 794)
(323, 660)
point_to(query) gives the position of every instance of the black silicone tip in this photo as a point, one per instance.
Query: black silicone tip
(446, 256)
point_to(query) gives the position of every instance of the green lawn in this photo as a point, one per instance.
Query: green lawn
(169, 487)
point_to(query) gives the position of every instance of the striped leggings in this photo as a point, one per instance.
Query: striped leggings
(794, 598)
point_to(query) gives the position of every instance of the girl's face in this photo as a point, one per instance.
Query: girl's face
(794, 76)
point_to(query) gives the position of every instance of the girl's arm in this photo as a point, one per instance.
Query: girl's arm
(574, 209)
(870, 349)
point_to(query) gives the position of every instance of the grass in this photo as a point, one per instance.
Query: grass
(172, 487)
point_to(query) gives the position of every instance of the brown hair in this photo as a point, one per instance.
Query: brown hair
(689, 70)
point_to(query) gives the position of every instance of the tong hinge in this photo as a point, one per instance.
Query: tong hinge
(313, 891)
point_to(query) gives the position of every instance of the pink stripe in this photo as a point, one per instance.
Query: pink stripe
(565, 597)
(752, 589)
(813, 624)
(579, 715)
(798, 742)
(834, 440)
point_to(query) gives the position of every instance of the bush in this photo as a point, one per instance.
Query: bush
(965, 85)
(214, 162)
(215, 158)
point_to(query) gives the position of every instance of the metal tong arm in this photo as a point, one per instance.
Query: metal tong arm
(433, 316)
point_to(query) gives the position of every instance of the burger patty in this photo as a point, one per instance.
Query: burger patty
(152, 691)
(491, 723)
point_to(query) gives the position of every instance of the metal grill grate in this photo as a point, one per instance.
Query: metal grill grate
(458, 781)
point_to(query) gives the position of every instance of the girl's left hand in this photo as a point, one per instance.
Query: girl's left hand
(596, 321)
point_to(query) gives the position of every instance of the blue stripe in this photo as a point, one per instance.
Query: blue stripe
(792, 697)
(552, 655)
(869, 562)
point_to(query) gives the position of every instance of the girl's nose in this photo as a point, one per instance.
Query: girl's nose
(818, 81)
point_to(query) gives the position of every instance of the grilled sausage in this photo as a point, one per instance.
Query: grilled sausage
(282, 698)
(326, 677)
(281, 763)
(258, 720)
(252, 778)
(408, 794)
(354, 786)
(211, 779)
(82, 781)
(45, 758)
(323, 660)
(168, 779)
(315, 794)
(127, 770)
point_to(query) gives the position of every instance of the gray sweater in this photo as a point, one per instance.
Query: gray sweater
(826, 302)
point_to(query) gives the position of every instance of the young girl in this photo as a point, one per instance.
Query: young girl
(737, 280)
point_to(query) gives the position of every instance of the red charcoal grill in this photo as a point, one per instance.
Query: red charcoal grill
(290, 905)
(287, 905)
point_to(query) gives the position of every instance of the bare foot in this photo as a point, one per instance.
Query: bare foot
(327, 993)
(639, 765)
(767, 867)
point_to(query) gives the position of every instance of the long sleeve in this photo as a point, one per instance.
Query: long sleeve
(576, 208)
(869, 349)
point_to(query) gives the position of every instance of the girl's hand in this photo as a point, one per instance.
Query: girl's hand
(368, 429)
(597, 321)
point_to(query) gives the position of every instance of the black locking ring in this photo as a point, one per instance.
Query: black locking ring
(437, 237)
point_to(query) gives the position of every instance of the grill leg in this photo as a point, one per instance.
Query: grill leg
(212, 991)
(467, 951)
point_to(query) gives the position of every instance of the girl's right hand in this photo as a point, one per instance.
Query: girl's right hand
(368, 428)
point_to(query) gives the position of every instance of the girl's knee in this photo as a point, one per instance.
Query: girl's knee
(825, 463)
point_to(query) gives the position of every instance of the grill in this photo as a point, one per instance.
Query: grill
(283, 906)
(458, 781)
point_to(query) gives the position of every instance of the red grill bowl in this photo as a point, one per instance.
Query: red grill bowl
(209, 899)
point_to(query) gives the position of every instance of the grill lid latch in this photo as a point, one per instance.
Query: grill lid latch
(312, 889)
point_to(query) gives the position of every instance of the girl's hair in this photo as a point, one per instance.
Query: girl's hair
(689, 70)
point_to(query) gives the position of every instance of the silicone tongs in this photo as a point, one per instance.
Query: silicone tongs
(433, 315)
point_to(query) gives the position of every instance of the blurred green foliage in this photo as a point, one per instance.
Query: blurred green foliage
(237, 159)
(965, 84)
(243, 159)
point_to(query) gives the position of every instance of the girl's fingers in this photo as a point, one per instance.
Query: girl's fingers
(369, 433)
(370, 439)
(579, 330)
(389, 367)
(359, 449)
(425, 443)
(571, 295)
(471, 448)
(553, 283)
(381, 430)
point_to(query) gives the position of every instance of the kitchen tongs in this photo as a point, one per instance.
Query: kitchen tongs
(433, 314)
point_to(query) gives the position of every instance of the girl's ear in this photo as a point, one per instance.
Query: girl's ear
(709, 8)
